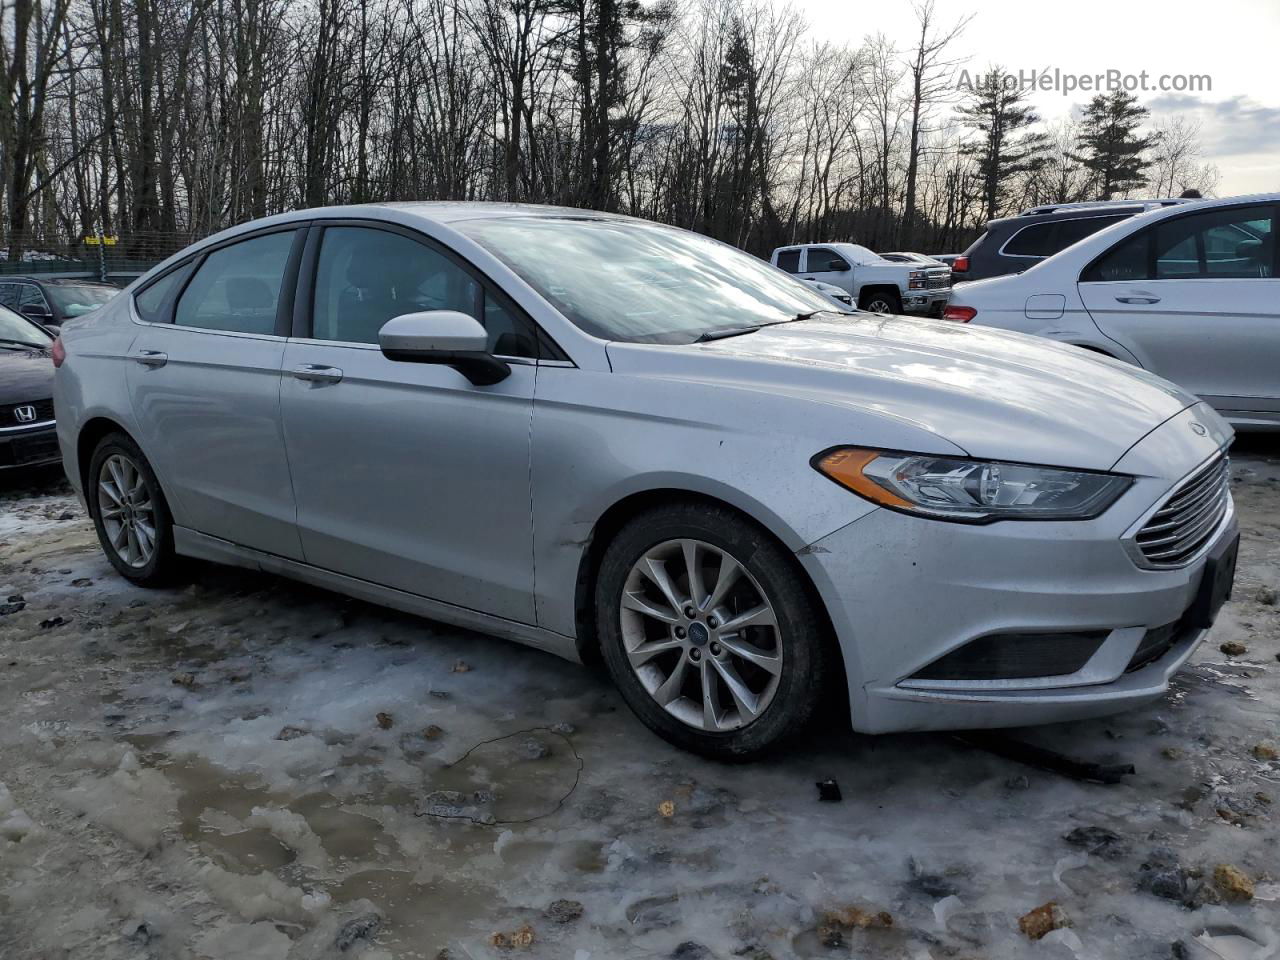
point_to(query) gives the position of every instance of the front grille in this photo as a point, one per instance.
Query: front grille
(1189, 517)
(937, 281)
(9, 415)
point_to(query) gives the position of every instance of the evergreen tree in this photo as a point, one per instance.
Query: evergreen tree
(1006, 148)
(1109, 144)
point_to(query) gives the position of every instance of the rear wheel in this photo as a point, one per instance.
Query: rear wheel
(708, 630)
(130, 513)
(880, 301)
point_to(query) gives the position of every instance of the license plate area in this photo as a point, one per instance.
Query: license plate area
(1215, 584)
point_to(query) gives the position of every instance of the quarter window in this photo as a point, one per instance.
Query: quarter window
(237, 288)
(29, 295)
(152, 302)
(1033, 241)
(1073, 231)
(366, 276)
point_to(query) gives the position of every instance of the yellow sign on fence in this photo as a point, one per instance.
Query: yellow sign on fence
(93, 240)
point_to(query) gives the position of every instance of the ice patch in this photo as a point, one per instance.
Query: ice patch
(135, 802)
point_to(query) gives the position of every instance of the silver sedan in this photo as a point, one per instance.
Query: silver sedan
(624, 442)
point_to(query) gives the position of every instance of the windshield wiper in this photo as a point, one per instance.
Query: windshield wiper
(21, 343)
(723, 333)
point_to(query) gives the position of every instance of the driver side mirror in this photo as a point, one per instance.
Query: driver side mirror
(836, 266)
(34, 311)
(446, 337)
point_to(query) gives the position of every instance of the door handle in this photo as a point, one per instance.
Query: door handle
(151, 358)
(1138, 299)
(317, 373)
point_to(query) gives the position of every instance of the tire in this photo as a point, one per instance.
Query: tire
(788, 666)
(125, 522)
(881, 301)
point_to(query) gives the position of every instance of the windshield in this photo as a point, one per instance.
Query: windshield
(74, 299)
(16, 329)
(641, 282)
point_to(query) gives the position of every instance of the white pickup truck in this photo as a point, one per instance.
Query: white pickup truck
(875, 284)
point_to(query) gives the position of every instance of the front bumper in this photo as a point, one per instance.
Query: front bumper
(931, 302)
(30, 446)
(904, 592)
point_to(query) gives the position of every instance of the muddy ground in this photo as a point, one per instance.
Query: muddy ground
(247, 768)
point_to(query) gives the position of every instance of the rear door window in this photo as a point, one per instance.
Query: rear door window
(1127, 260)
(1235, 243)
(237, 287)
(789, 260)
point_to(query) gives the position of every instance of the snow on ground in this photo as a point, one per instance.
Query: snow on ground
(250, 769)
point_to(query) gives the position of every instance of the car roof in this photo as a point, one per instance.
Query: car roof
(58, 281)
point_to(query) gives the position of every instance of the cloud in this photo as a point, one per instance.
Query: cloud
(1237, 126)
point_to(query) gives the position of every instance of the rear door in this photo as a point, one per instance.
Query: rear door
(1196, 299)
(407, 474)
(204, 373)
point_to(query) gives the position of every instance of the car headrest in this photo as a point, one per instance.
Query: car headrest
(248, 293)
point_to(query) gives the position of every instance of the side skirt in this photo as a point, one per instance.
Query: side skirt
(191, 543)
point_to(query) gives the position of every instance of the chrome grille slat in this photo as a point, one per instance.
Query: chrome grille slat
(1191, 539)
(1180, 521)
(1194, 488)
(1200, 492)
(1184, 523)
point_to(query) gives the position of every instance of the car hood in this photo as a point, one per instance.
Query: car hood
(25, 375)
(995, 394)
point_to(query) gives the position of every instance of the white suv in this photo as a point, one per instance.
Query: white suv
(1191, 292)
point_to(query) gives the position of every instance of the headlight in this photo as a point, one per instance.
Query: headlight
(972, 491)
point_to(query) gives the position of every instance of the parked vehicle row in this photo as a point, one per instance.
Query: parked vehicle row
(625, 442)
(875, 284)
(53, 301)
(1188, 291)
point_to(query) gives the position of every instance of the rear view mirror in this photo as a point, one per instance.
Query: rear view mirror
(446, 337)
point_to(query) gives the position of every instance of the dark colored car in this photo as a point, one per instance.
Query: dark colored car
(53, 301)
(1012, 244)
(27, 435)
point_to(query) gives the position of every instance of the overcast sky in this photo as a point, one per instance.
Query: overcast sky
(1235, 42)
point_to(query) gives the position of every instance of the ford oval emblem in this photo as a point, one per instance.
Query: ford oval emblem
(1199, 428)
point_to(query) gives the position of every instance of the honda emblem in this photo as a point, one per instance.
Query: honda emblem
(24, 414)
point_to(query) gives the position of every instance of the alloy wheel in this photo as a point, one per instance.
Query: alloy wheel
(127, 510)
(879, 306)
(701, 635)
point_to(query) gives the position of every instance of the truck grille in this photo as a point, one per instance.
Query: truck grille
(9, 415)
(1189, 517)
(937, 281)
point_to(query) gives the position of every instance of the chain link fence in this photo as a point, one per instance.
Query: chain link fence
(115, 259)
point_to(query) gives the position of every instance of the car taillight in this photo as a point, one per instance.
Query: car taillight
(59, 352)
(960, 265)
(959, 314)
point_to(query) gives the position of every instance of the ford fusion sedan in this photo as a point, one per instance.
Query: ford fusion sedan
(1190, 292)
(623, 442)
(27, 437)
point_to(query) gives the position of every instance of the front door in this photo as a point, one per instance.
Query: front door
(407, 474)
(204, 373)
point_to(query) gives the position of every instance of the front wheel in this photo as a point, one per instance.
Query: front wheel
(881, 301)
(130, 513)
(709, 632)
